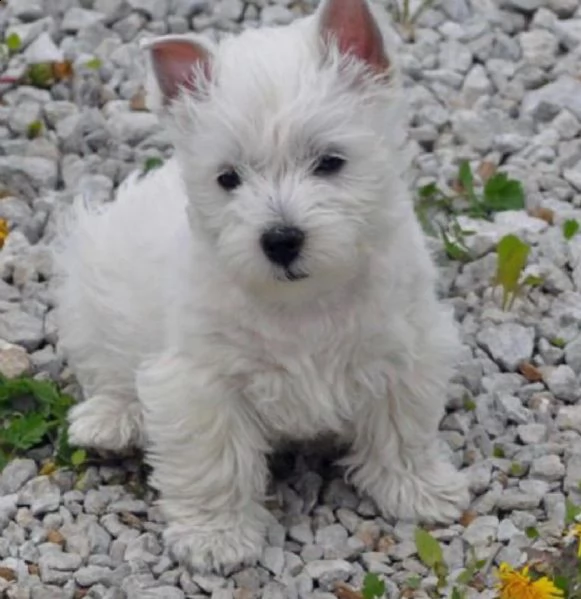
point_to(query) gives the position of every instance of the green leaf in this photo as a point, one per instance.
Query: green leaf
(512, 256)
(151, 164)
(428, 548)
(502, 193)
(533, 281)
(94, 63)
(517, 470)
(466, 179)
(532, 532)
(40, 75)
(34, 129)
(558, 342)
(13, 42)
(570, 228)
(78, 458)
(469, 404)
(457, 593)
(454, 250)
(428, 191)
(465, 577)
(43, 419)
(498, 452)
(563, 583)
(413, 582)
(571, 512)
(373, 587)
(24, 431)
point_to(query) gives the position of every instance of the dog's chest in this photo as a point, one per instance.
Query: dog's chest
(300, 393)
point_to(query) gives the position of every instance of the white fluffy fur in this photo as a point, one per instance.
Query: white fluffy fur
(182, 333)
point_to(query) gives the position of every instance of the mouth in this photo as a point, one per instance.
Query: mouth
(290, 275)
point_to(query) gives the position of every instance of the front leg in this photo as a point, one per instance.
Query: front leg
(208, 457)
(395, 456)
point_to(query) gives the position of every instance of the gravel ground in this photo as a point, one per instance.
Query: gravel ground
(485, 83)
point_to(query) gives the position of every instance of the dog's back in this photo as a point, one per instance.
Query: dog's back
(112, 292)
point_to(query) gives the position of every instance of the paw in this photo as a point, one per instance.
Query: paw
(106, 423)
(435, 494)
(215, 551)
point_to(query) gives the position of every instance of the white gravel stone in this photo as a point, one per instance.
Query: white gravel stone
(562, 382)
(509, 343)
(14, 360)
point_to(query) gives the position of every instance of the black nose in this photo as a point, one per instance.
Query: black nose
(282, 244)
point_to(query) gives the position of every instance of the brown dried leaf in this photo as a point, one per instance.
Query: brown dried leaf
(7, 574)
(486, 170)
(385, 543)
(343, 591)
(48, 468)
(54, 536)
(530, 372)
(457, 187)
(131, 520)
(62, 70)
(33, 569)
(545, 214)
(467, 518)
(138, 101)
(478, 583)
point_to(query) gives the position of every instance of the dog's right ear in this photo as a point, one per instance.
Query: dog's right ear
(176, 63)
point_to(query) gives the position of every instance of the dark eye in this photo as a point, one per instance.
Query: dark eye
(329, 165)
(229, 180)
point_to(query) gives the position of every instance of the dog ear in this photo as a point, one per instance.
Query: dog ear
(174, 63)
(351, 25)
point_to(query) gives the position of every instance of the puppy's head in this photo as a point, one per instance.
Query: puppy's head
(288, 142)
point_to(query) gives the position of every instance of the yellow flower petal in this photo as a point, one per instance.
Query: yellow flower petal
(3, 231)
(514, 584)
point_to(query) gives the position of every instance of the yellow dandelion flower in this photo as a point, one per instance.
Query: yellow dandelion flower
(575, 533)
(517, 584)
(3, 231)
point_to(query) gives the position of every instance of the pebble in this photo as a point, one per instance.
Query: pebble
(510, 344)
(14, 360)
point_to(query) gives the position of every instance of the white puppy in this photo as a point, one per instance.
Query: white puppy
(270, 282)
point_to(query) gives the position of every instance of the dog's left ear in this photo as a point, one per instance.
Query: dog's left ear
(175, 64)
(351, 25)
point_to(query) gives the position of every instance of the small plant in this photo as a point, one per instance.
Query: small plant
(455, 242)
(498, 452)
(34, 129)
(403, 14)
(13, 43)
(94, 64)
(512, 257)
(517, 470)
(570, 228)
(373, 587)
(430, 553)
(499, 193)
(151, 164)
(469, 404)
(33, 412)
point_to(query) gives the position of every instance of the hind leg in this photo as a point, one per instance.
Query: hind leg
(106, 422)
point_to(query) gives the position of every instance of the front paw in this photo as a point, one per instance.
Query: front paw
(437, 493)
(223, 551)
